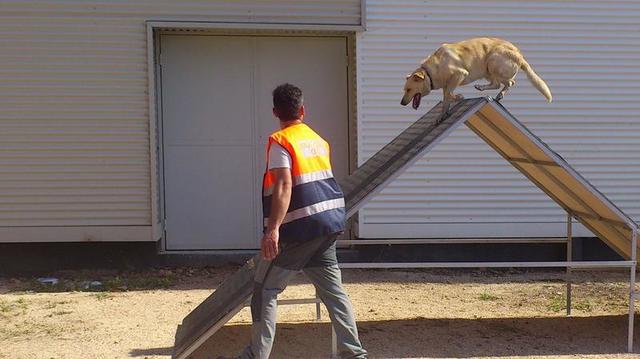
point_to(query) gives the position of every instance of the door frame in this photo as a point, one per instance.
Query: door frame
(155, 29)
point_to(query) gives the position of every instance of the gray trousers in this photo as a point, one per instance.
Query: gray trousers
(317, 260)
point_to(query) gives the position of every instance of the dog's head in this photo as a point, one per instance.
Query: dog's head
(416, 86)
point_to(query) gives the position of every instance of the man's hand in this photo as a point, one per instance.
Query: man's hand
(280, 199)
(269, 244)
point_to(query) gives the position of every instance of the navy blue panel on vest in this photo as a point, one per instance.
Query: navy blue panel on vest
(306, 228)
(306, 194)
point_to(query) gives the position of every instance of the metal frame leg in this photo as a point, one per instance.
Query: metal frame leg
(318, 313)
(569, 259)
(334, 343)
(632, 288)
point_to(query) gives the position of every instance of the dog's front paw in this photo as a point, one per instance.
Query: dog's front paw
(443, 116)
(458, 97)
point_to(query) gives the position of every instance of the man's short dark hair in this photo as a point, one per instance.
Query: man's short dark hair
(287, 102)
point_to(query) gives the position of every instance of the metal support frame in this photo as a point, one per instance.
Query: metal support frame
(632, 285)
(413, 241)
(569, 265)
(573, 264)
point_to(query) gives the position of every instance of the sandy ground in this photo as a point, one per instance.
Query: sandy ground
(401, 314)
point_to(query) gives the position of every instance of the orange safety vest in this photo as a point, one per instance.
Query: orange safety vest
(317, 202)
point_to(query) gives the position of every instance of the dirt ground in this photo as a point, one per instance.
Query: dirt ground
(401, 314)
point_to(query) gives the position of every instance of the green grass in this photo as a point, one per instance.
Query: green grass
(52, 305)
(557, 303)
(583, 305)
(7, 307)
(102, 295)
(138, 282)
(488, 297)
(27, 329)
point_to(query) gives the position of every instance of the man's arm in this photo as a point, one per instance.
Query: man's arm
(280, 200)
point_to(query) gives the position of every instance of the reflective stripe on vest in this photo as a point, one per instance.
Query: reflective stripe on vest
(317, 203)
(304, 178)
(310, 210)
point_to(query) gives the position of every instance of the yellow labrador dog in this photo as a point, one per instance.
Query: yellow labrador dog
(464, 62)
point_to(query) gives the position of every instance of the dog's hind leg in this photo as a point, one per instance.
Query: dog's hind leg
(502, 69)
(489, 86)
(507, 86)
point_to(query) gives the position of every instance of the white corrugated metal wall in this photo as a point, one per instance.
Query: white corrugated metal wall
(587, 52)
(74, 122)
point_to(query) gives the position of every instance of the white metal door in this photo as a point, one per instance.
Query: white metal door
(216, 100)
(319, 67)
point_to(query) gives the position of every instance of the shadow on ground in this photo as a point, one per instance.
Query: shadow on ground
(436, 338)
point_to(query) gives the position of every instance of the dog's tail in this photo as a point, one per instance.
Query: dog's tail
(537, 82)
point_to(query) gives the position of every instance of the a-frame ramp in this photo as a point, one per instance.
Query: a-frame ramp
(496, 126)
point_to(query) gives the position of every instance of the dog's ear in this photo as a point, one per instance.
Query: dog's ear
(418, 75)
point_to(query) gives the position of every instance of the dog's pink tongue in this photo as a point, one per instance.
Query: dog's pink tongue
(416, 101)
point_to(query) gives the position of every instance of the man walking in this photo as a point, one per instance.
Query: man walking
(303, 210)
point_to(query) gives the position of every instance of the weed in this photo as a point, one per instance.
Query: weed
(557, 303)
(584, 306)
(102, 295)
(139, 282)
(28, 329)
(488, 297)
(52, 305)
(62, 312)
(7, 307)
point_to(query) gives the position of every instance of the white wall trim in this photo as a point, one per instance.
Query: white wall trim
(363, 14)
(156, 226)
(76, 234)
(217, 25)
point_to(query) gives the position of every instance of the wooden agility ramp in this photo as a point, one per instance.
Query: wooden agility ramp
(500, 130)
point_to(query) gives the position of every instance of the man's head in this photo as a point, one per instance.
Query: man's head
(288, 102)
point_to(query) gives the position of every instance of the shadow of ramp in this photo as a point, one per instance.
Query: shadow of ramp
(441, 338)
